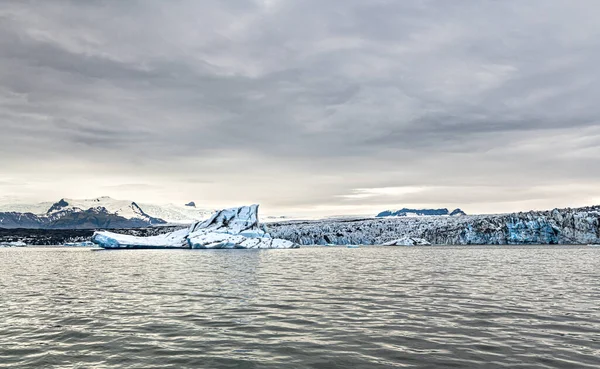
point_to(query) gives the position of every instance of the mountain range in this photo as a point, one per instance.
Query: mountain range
(102, 212)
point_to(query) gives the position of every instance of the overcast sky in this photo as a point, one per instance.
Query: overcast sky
(312, 106)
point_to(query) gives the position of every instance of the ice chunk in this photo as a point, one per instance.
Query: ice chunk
(78, 244)
(110, 240)
(233, 221)
(228, 228)
(13, 244)
(234, 228)
(408, 241)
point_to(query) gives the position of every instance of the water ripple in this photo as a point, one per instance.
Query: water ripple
(493, 307)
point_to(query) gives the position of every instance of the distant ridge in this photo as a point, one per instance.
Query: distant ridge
(405, 212)
(102, 212)
(457, 212)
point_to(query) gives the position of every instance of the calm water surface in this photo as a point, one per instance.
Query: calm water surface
(430, 307)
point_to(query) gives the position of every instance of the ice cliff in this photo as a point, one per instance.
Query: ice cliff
(228, 228)
(558, 226)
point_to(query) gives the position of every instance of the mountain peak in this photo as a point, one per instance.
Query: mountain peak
(61, 204)
(457, 212)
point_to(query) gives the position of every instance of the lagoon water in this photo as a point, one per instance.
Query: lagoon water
(371, 307)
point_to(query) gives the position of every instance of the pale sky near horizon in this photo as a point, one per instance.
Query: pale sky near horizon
(306, 107)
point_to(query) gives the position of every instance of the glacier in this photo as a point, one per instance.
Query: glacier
(558, 226)
(227, 228)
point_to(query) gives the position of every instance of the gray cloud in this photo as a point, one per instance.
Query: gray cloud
(491, 106)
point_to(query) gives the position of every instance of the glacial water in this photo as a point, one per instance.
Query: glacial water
(371, 307)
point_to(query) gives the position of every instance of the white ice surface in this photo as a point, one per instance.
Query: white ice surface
(176, 214)
(228, 228)
(13, 244)
(112, 240)
(408, 241)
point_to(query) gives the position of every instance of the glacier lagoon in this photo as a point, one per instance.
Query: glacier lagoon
(371, 307)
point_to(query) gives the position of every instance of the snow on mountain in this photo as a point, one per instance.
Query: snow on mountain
(14, 207)
(176, 214)
(123, 208)
(101, 212)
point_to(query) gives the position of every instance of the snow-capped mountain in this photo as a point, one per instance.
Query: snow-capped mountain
(121, 208)
(101, 212)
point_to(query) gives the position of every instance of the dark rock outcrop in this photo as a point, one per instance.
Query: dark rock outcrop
(457, 212)
(406, 212)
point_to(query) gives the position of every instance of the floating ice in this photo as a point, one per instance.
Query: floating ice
(228, 228)
(13, 244)
(408, 241)
(78, 244)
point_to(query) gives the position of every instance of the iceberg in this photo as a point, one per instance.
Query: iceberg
(225, 229)
(13, 244)
(408, 241)
(78, 244)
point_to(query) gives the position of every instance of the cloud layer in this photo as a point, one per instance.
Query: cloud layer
(305, 106)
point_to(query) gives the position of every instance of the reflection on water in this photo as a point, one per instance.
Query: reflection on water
(306, 308)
